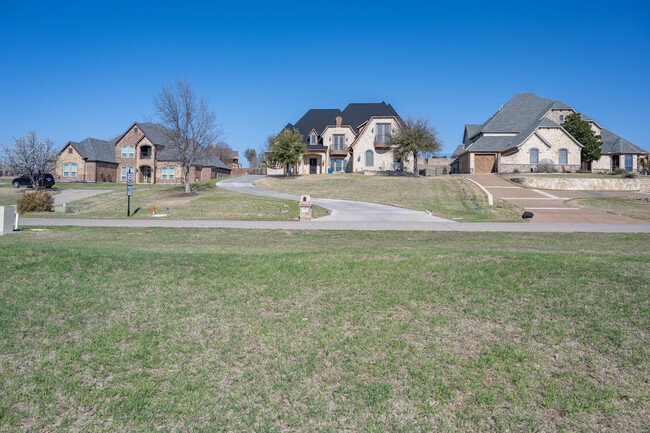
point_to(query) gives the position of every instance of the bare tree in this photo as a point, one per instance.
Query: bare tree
(190, 124)
(224, 152)
(251, 156)
(30, 155)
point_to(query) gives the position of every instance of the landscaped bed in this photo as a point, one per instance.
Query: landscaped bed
(246, 330)
(445, 196)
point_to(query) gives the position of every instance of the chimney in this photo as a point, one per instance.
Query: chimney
(339, 119)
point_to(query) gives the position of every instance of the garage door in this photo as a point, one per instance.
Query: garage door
(484, 163)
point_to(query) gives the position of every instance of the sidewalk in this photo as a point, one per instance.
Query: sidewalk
(522, 227)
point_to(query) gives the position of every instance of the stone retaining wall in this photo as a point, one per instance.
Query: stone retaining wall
(575, 184)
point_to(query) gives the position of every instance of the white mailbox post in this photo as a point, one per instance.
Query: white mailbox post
(7, 218)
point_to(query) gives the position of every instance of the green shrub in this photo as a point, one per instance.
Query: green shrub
(515, 170)
(629, 175)
(444, 170)
(37, 201)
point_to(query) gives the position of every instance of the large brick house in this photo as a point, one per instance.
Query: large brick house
(527, 132)
(352, 140)
(144, 149)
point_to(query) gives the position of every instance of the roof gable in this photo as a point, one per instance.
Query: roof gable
(92, 149)
(359, 113)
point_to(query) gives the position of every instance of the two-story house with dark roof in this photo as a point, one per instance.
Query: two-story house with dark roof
(352, 140)
(144, 149)
(528, 131)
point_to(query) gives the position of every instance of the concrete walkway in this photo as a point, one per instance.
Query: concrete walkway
(342, 210)
(549, 205)
(319, 224)
(68, 195)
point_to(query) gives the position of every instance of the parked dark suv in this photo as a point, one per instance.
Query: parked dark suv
(46, 180)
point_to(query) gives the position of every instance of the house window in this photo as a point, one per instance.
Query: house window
(66, 170)
(534, 156)
(563, 156)
(124, 151)
(313, 139)
(69, 149)
(126, 170)
(338, 165)
(164, 173)
(168, 173)
(131, 151)
(339, 142)
(561, 118)
(370, 158)
(628, 162)
(73, 170)
(383, 129)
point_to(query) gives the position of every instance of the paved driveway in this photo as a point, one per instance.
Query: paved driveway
(342, 210)
(548, 205)
(68, 195)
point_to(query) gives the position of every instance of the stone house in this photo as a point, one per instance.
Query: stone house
(348, 141)
(144, 149)
(527, 132)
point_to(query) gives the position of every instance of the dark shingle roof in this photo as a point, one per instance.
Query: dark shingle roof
(491, 143)
(357, 114)
(472, 130)
(317, 119)
(93, 149)
(559, 105)
(459, 150)
(612, 143)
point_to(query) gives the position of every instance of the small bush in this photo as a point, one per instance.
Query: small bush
(516, 170)
(37, 201)
(629, 175)
(444, 170)
(546, 166)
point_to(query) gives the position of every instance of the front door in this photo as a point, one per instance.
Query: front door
(484, 164)
(615, 162)
(313, 164)
(146, 174)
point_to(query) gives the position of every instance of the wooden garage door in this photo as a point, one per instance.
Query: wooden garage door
(484, 163)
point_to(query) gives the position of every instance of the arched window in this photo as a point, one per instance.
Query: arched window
(561, 118)
(534, 156)
(563, 156)
(370, 158)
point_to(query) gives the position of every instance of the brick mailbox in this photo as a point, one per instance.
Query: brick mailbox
(305, 207)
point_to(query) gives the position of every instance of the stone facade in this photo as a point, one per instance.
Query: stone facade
(69, 155)
(558, 139)
(382, 157)
(579, 184)
(606, 163)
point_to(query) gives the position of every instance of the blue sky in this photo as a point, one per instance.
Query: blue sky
(70, 70)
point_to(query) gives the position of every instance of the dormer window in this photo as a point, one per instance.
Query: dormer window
(313, 139)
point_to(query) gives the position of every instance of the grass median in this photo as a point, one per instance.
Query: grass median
(445, 196)
(248, 330)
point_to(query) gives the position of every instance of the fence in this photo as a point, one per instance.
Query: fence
(243, 170)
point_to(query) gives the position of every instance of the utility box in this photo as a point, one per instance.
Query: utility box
(8, 217)
(305, 207)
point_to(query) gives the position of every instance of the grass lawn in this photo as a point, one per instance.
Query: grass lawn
(445, 196)
(626, 206)
(206, 202)
(10, 195)
(243, 330)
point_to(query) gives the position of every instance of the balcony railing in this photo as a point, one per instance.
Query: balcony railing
(338, 150)
(381, 141)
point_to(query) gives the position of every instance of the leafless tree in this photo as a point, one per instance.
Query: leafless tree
(30, 155)
(224, 152)
(190, 124)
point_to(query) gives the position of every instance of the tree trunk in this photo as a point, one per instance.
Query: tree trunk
(187, 181)
(415, 163)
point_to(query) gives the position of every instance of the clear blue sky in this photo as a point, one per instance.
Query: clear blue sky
(70, 70)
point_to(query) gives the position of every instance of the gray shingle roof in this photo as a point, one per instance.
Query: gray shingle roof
(357, 114)
(522, 110)
(93, 149)
(612, 143)
(459, 150)
(523, 114)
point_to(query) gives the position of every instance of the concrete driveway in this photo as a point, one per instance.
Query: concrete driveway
(68, 195)
(342, 210)
(548, 205)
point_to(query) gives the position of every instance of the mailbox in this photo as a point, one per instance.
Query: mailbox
(305, 207)
(8, 218)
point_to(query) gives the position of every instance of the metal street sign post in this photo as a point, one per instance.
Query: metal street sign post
(129, 192)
